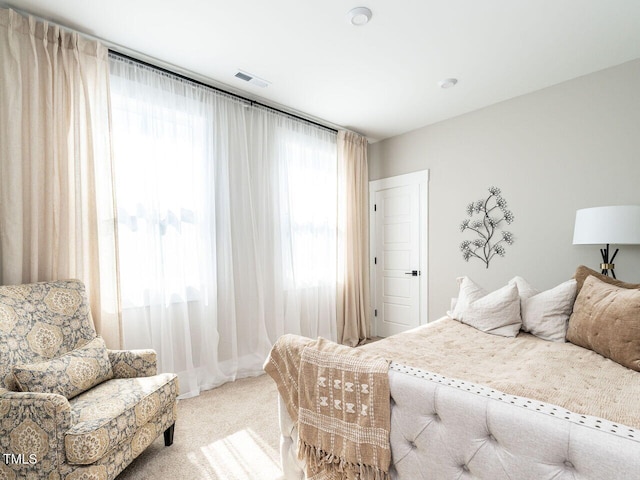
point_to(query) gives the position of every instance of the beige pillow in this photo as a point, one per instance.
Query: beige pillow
(583, 272)
(68, 375)
(606, 319)
(545, 314)
(497, 312)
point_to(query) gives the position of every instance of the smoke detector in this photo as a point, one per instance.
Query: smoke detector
(252, 79)
(448, 82)
(359, 16)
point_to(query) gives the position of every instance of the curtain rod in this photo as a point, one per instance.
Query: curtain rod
(153, 62)
(221, 90)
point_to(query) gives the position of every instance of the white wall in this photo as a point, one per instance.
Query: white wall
(570, 146)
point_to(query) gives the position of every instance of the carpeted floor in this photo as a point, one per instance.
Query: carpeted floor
(228, 433)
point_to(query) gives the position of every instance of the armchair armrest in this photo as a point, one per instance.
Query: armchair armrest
(32, 428)
(133, 363)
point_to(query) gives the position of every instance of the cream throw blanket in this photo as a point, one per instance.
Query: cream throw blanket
(339, 397)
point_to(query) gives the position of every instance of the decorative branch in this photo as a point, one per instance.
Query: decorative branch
(486, 247)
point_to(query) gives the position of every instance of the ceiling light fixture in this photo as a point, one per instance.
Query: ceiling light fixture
(359, 16)
(447, 82)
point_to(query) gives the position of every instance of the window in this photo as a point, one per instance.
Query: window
(159, 156)
(227, 225)
(309, 210)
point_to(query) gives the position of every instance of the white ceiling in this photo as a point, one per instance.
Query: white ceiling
(379, 79)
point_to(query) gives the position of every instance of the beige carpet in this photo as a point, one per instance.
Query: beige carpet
(228, 433)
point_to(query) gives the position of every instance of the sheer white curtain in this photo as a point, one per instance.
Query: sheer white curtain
(227, 233)
(294, 173)
(56, 198)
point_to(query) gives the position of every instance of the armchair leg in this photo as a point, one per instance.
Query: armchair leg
(168, 436)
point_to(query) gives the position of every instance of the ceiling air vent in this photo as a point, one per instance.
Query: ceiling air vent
(252, 79)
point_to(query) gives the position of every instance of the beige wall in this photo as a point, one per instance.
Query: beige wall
(570, 146)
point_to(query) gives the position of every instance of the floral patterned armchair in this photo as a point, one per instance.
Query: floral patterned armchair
(70, 409)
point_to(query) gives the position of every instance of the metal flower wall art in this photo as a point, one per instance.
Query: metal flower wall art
(485, 218)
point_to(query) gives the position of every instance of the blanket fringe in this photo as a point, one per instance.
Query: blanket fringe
(337, 467)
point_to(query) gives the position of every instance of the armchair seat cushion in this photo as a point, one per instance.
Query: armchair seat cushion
(115, 411)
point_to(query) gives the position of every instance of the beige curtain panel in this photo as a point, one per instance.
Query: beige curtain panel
(353, 288)
(56, 194)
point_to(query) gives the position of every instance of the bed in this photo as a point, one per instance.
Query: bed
(465, 403)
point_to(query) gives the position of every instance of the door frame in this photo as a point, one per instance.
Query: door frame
(421, 178)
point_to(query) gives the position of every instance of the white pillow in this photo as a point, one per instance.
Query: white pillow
(546, 314)
(525, 290)
(497, 312)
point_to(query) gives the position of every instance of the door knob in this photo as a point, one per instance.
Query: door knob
(413, 273)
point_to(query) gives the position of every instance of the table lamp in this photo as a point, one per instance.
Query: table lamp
(618, 225)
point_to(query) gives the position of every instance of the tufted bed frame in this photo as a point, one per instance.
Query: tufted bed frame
(442, 428)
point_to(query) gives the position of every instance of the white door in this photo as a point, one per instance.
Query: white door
(398, 241)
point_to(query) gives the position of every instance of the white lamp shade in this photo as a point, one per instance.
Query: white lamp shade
(601, 225)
